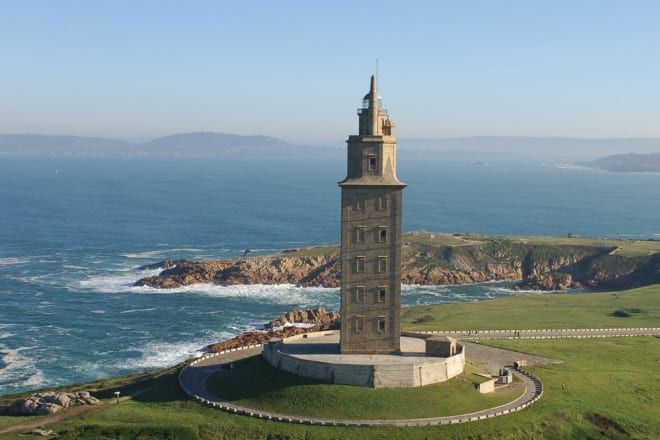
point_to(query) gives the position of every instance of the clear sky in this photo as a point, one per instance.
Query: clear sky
(298, 69)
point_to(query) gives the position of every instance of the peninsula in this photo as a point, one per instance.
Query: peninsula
(534, 263)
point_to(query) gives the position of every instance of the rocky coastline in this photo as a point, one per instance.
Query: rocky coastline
(294, 322)
(533, 267)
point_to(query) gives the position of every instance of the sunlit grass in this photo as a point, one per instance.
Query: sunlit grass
(541, 311)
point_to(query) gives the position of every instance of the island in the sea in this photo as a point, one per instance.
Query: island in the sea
(626, 163)
(534, 263)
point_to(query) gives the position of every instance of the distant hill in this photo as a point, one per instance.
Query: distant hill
(627, 163)
(201, 144)
(208, 144)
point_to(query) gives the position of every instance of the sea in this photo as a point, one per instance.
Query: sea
(74, 230)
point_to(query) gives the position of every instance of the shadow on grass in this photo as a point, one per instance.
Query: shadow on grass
(253, 378)
(160, 387)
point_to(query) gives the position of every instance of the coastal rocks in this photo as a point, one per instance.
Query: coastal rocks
(304, 271)
(549, 282)
(165, 264)
(317, 316)
(46, 403)
(320, 319)
(440, 276)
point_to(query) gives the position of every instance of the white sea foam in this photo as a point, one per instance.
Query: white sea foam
(121, 281)
(161, 355)
(19, 370)
(73, 266)
(294, 324)
(276, 294)
(160, 253)
(184, 250)
(97, 312)
(143, 255)
(10, 261)
(150, 309)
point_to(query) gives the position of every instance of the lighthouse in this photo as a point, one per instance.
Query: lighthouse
(371, 224)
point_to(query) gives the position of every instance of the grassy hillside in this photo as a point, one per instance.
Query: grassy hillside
(540, 311)
(590, 395)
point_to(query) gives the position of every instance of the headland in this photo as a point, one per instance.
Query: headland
(533, 263)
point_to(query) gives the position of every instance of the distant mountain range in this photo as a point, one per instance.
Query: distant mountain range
(206, 144)
(627, 163)
(200, 144)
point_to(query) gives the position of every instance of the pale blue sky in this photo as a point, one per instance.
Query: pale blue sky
(298, 69)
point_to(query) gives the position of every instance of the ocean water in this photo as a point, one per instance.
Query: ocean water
(72, 232)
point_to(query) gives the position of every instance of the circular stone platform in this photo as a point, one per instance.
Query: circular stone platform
(316, 355)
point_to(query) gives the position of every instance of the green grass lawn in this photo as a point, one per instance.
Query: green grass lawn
(627, 248)
(256, 384)
(605, 388)
(540, 311)
(611, 391)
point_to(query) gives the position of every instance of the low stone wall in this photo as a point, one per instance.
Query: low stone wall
(413, 374)
(487, 387)
(576, 333)
(360, 375)
(187, 378)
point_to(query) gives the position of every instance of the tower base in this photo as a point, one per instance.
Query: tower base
(316, 356)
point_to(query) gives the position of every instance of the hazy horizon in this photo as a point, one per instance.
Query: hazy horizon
(298, 70)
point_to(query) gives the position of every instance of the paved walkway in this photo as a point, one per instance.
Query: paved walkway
(193, 378)
(546, 333)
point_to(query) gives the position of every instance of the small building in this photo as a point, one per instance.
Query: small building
(441, 346)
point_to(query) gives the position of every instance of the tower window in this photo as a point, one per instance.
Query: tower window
(382, 264)
(381, 203)
(373, 161)
(359, 294)
(382, 235)
(382, 294)
(382, 325)
(359, 324)
(360, 233)
(359, 205)
(359, 264)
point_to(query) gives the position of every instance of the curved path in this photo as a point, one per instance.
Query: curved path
(193, 380)
(193, 377)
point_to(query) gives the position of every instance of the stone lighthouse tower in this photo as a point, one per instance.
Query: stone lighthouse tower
(371, 217)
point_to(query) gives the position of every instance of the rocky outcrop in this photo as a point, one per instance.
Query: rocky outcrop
(317, 316)
(46, 403)
(303, 271)
(441, 276)
(535, 266)
(320, 319)
(548, 282)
